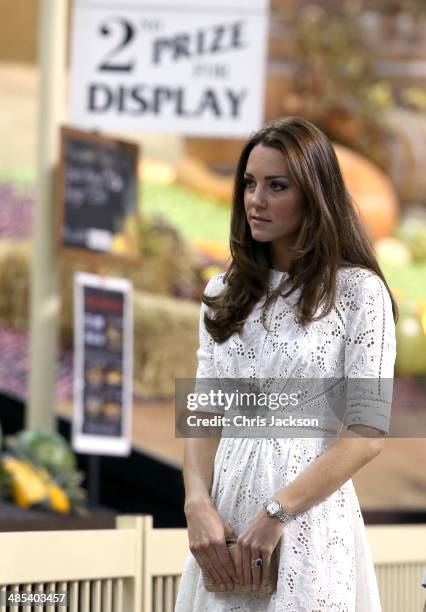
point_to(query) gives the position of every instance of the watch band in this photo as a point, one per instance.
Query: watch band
(284, 516)
(280, 513)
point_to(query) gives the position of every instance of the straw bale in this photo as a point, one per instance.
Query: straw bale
(166, 341)
(15, 283)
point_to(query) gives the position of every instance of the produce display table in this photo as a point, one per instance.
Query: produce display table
(13, 518)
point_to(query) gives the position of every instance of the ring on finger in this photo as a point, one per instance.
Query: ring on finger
(256, 563)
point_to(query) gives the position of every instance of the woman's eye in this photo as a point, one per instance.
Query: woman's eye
(248, 182)
(278, 186)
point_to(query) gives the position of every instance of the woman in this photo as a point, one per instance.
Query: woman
(303, 297)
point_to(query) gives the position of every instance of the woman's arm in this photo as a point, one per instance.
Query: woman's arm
(330, 470)
(198, 462)
(206, 529)
(324, 476)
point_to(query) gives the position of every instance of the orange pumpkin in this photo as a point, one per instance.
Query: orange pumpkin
(372, 192)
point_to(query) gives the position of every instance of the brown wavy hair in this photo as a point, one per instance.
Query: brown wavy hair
(331, 234)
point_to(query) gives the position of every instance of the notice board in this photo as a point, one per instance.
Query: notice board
(97, 192)
(103, 365)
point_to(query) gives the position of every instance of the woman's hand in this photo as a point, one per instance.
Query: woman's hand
(206, 534)
(257, 541)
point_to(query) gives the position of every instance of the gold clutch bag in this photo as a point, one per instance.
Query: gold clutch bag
(269, 587)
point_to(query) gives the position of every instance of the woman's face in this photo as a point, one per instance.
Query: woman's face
(273, 203)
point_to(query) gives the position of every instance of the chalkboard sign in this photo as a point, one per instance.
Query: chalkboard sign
(98, 196)
(103, 356)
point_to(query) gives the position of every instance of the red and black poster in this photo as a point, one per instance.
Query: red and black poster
(103, 332)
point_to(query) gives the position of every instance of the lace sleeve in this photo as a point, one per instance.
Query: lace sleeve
(206, 376)
(370, 353)
(205, 352)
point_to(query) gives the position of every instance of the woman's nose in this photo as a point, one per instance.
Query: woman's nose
(258, 197)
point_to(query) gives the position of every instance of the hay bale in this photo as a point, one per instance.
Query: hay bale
(15, 283)
(15, 271)
(166, 341)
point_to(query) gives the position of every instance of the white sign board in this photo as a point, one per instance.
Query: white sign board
(194, 68)
(103, 364)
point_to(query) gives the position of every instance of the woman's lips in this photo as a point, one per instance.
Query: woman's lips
(260, 220)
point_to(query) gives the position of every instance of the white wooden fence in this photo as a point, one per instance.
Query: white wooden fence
(99, 569)
(136, 568)
(399, 553)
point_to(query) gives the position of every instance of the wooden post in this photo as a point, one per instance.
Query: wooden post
(45, 299)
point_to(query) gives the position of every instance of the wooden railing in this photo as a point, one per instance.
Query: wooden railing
(399, 553)
(100, 570)
(136, 568)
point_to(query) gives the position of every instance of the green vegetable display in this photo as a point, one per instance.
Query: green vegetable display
(41, 469)
(48, 449)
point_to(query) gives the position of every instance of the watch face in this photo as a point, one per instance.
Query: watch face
(273, 507)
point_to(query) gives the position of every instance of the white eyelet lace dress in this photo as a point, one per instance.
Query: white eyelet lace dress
(325, 563)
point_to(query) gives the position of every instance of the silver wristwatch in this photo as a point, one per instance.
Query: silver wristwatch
(275, 510)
